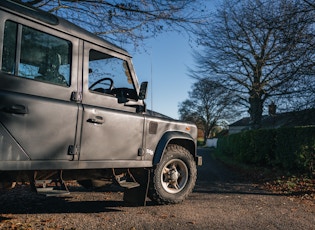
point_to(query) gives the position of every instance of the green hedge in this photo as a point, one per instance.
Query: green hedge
(287, 148)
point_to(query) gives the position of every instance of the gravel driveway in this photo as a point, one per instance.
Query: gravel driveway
(221, 200)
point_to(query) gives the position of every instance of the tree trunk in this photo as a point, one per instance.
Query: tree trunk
(205, 137)
(255, 111)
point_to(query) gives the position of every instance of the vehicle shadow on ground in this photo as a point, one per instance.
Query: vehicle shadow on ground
(58, 206)
(22, 200)
(213, 178)
(32, 203)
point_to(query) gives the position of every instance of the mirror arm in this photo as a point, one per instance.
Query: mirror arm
(143, 90)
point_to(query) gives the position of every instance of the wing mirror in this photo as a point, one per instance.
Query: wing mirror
(143, 90)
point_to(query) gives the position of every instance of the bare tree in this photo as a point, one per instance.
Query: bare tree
(261, 50)
(127, 21)
(208, 103)
(310, 3)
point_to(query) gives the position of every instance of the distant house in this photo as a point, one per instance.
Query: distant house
(239, 126)
(289, 119)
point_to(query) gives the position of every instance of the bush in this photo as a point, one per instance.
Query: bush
(287, 148)
(295, 147)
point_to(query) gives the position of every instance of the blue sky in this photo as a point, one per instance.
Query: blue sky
(164, 65)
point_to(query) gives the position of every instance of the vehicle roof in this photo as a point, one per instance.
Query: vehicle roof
(57, 23)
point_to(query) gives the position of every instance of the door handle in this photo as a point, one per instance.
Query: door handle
(16, 109)
(98, 120)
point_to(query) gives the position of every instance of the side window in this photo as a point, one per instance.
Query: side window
(9, 47)
(36, 55)
(110, 75)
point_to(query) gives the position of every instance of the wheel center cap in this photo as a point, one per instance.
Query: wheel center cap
(174, 175)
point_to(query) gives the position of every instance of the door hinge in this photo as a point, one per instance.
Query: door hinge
(140, 152)
(76, 96)
(73, 150)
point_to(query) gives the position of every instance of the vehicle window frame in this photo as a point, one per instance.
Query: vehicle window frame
(99, 99)
(113, 55)
(48, 32)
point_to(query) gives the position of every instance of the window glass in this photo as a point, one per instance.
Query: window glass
(110, 75)
(42, 57)
(9, 47)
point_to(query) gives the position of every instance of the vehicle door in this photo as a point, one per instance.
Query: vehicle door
(112, 128)
(36, 87)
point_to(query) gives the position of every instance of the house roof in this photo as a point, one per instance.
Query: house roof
(288, 119)
(243, 122)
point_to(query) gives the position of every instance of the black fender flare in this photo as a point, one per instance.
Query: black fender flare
(174, 137)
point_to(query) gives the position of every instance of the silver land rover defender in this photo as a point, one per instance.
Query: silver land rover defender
(71, 108)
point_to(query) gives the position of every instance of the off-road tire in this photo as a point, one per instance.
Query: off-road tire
(162, 192)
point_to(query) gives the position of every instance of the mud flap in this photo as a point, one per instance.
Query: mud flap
(137, 196)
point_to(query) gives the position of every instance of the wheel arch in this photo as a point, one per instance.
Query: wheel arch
(179, 138)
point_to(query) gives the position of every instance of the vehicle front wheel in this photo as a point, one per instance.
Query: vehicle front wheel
(174, 178)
